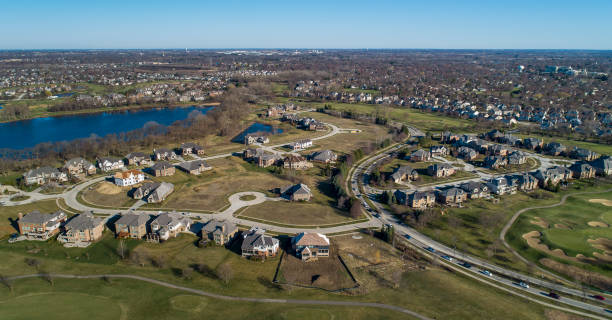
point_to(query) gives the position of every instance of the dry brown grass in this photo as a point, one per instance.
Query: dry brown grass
(108, 195)
(593, 278)
(325, 273)
(605, 202)
(296, 213)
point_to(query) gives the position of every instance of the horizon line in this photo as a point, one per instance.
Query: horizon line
(306, 48)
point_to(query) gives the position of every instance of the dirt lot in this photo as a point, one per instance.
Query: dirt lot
(325, 273)
(296, 213)
(108, 195)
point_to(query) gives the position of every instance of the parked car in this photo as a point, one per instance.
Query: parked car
(553, 295)
(598, 297)
(523, 285)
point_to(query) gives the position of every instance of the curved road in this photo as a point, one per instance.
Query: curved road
(229, 298)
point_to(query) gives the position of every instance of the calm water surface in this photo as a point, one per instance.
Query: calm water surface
(27, 133)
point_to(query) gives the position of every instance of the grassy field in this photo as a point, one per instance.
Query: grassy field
(8, 215)
(567, 228)
(107, 194)
(432, 292)
(296, 213)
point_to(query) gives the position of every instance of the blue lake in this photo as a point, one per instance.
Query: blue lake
(255, 128)
(66, 94)
(28, 133)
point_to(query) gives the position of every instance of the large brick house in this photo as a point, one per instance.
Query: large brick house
(256, 244)
(297, 192)
(162, 169)
(132, 226)
(82, 229)
(221, 232)
(40, 226)
(310, 246)
(78, 167)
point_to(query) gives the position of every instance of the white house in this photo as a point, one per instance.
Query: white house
(128, 178)
(108, 164)
(301, 144)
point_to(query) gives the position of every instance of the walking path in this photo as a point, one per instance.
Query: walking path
(228, 298)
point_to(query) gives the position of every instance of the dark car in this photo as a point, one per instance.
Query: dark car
(407, 236)
(598, 297)
(466, 265)
(430, 249)
(553, 295)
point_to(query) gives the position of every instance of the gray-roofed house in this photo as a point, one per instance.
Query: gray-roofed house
(168, 224)
(138, 159)
(132, 226)
(475, 189)
(553, 175)
(466, 153)
(452, 196)
(499, 186)
(219, 231)
(525, 182)
(495, 162)
(79, 167)
(403, 173)
(532, 143)
(40, 226)
(83, 228)
(296, 162)
(256, 244)
(191, 148)
(194, 167)
(110, 163)
(517, 158)
(555, 149)
(153, 192)
(297, 192)
(420, 156)
(603, 165)
(162, 169)
(44, 175)
(583, 154)
(310, 246)
(164, 154)
(324, 156)
(438, 151)
(440, 170)
(582, 170)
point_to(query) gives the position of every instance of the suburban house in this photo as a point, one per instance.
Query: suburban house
(474, 189)
(452, 196)
(500, 186)
(532, 143)
(128, 178)
(583, 154)
(324, 156)
(78, 167)
(40, 226)
(555, 149)
(297, 192)
(296, 161)
(191, 148)
(162, 169)
(310, 246)
(251, 139)
(195, 167)
(260, 157)
(466, 153)
(553, 175)
(300, 144)
(418, 199)
(449, 137)
(525, 182)
(495, 162)
(403, 173)
(582, 170)
(44, 175)
(168, 225)
(83, 228)
(517, 158)
(440, 170)
(498, 150)
(438, 151)
(420, 156)
(256, 244)
(164, 154)
(110, 163)
(153, 192)
(603, 165)
(132, 226)
(138, 159)
(221, 232)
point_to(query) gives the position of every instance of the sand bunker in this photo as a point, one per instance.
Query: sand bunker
(605, 202)
(108, 188)
(539, 222)
(561, 226)
(533, 240)
(598, 224)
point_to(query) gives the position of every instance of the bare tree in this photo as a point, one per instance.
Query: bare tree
(225, 272)
(121, 249)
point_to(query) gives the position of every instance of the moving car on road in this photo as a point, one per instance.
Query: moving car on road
(553, 295)
(523, 285)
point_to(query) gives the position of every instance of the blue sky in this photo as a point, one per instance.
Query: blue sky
(534, 24)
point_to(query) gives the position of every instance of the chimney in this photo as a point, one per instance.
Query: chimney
(20, 215)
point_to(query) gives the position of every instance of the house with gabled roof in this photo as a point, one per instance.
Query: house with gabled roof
(420, 156)
(162, 169)
(194, 167)
(475, 189)
(79, 167)
(153, 192)
(495, 162)
(297, 192)
(164, 154)
(517, 158)
(168, 224)
(132, 226)
(40, 226)
(403, 173)
(44, 175)
(219, 231)
(451, 195)
(107, 164)
(466, 153)
(256, 244)
(82, 229)
(440, 170)
(555, 149)
(191, 148)
(583, 154)
(532, 143)
(310, 246)
(582, 170)
(438, 150)
(138, 159)
(324, 156)
(296, 162)
(128, 178)
(602, 165)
